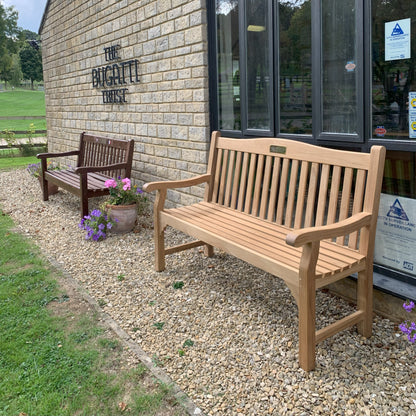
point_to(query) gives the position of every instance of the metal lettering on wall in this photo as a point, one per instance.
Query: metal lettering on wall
(115, 74)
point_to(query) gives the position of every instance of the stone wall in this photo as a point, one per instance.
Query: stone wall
(166, 112)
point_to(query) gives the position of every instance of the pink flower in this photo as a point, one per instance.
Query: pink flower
(111, 183)
(127, 184)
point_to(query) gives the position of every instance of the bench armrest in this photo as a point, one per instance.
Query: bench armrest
(61, 154)
(89, 169)
(300, 237)
(164, 185)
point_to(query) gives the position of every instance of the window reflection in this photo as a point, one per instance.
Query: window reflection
(295, 86)
(228, 65)
(259, 86)
(339, 67)
(392, 79)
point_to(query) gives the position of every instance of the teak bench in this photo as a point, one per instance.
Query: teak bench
(304, 213)
(98, 159)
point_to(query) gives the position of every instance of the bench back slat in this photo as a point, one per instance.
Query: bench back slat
(101, 151)
(293, 184)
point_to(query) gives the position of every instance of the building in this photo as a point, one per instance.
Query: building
(167, 72)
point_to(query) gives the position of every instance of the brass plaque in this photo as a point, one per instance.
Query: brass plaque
(278, 149)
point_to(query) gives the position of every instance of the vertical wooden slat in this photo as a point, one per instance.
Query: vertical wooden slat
(333, 197)
(300, 203)
(243, 181)
(310, 204)
(291, 195)
(274, 188)
(258, 185)
(322, 196)
(265, 196)
(345, 199)
(230, 175)
(216, 184)
(282, 192)
(250, 183)
(358, 203)
(236, 180)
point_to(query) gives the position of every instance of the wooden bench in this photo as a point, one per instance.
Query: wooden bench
(304, 213)
(98, 159)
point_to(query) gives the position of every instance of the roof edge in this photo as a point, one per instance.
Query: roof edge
(45, 12)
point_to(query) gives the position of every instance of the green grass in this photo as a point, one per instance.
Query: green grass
(61, 363)
(22, 103)
(21, 125)
(17, 162)
(12, 158)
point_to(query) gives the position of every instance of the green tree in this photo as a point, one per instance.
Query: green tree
(31, 63)
(8, 40)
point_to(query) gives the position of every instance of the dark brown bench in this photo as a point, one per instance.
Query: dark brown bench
(98, 159)
(304, 213)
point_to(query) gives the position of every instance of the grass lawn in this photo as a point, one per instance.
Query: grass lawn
(16, 162)
(56, 358)
(22, 103)
(23, 125)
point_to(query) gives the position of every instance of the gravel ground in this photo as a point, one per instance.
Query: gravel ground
(242, 322)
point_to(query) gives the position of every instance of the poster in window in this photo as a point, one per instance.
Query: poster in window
(396, 237)
(397, 39)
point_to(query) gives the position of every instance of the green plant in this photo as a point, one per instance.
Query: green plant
(8, 136)
(178, 285)
(188, 343)
(31, 131)
(159, 325)
(101, 302)
(121, 277)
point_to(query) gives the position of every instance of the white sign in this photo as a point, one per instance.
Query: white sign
(397, 39)
(396, 233)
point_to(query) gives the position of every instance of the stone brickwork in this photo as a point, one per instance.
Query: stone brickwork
(166, 113)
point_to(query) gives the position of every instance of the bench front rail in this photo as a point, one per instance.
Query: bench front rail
(300, 212)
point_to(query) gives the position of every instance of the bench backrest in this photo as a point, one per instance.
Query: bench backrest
(295, 184)
(102, 151)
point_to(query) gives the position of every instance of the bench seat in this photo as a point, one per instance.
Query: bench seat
(241, 234)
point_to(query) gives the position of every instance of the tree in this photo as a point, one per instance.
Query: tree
(8, 40)
(31, 64)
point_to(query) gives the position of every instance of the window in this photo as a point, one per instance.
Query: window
(338, 73)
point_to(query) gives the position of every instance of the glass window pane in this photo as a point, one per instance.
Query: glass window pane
(259, 68)
(228, 65)
(295, 67)
(339, 61)
(393, 77)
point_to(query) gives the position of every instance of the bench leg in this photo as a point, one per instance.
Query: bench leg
(45, 191)
(208, 250)
(306, 307)
(159, 249)
(83, 182)
(365, 300)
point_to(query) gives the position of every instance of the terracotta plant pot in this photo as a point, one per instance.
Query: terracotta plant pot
(52, 188)
(124, 216)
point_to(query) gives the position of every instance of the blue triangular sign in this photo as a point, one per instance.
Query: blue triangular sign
(397, 30)
(397, 211)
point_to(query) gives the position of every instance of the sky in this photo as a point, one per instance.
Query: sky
(30, 12)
